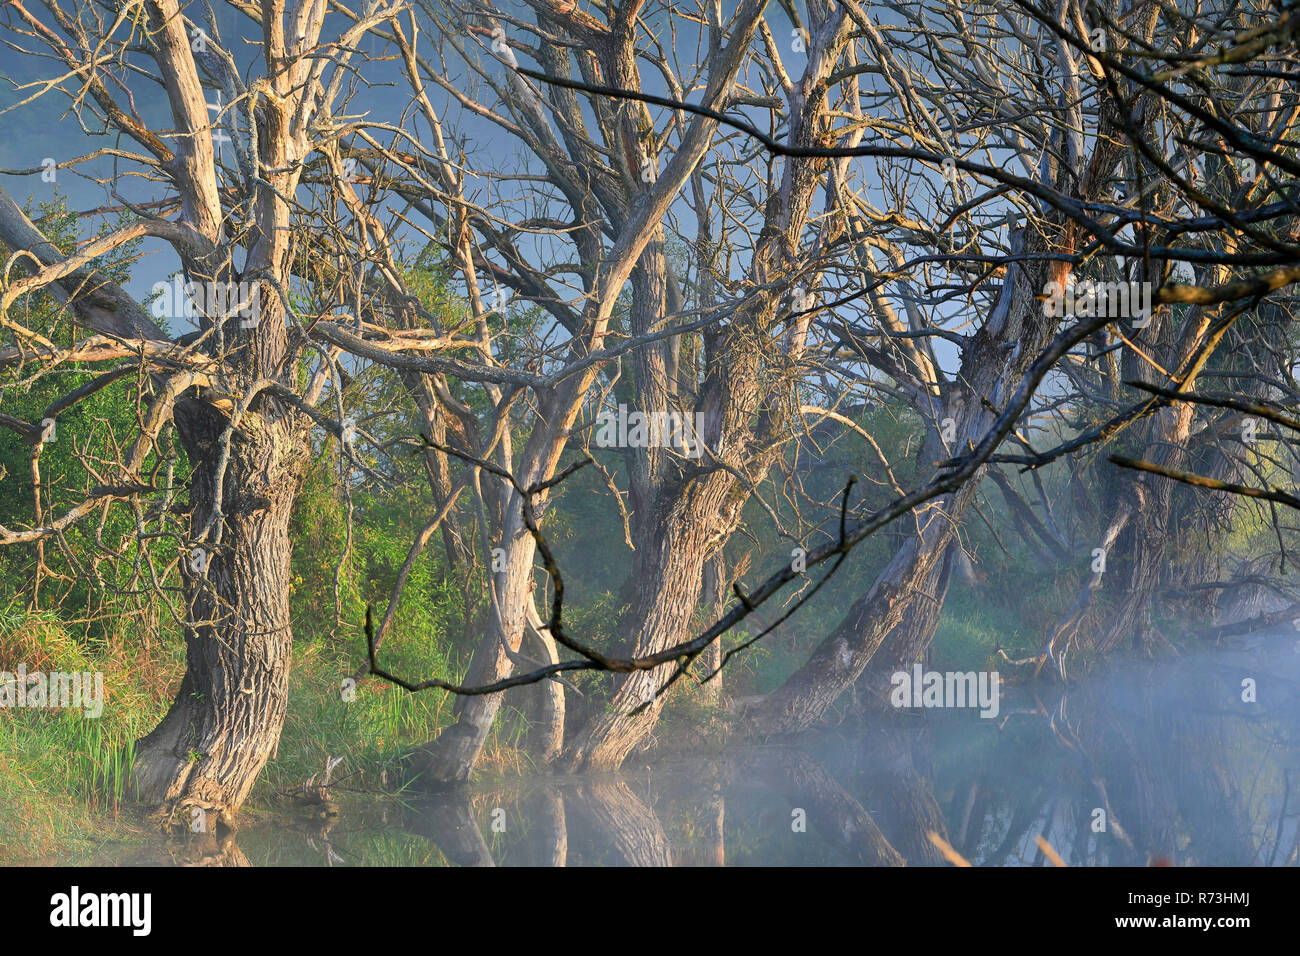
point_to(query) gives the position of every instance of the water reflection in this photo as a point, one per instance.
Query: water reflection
(1158, 763)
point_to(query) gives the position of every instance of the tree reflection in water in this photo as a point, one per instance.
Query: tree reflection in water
(1152, 763)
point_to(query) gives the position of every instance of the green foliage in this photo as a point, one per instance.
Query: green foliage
(352, 533)
(85, 436)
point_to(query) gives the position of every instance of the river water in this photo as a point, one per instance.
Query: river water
(1165, 763)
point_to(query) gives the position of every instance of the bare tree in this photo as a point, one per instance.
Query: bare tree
(1038, 88)
(656, 237)
(284, 273)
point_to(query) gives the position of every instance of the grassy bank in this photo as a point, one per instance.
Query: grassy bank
(63, 780)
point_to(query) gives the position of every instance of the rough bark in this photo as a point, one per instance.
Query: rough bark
(668, 589)
(548, 730)
(993, 361)
(715, 599)
(682, 518)
(225, 721)
(908, 641)
(996, 356)
(840, 659)
(635, 214)
(448, 760)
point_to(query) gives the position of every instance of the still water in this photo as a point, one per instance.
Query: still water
(1170, 762)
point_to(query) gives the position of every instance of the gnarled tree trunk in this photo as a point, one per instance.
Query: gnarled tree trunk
(840, 659)
(908, 641)
(997, 354)
(682, 517)
(200, 762)
(449, 759)
(669, 577)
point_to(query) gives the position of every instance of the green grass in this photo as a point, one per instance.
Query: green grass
(369, 724)
(973, 627)
(64, 777)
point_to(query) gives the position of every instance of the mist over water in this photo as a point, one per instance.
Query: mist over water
(1142, 763)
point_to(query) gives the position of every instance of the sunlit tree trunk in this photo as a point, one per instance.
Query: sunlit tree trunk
(998, 353)
(451, 757)
(201, 761)
(682, 515)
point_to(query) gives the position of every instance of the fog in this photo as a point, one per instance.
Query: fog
(1142, 763)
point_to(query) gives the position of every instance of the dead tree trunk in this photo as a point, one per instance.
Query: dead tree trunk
(842, 657)
(995, 357)
(449, 759)
(685, 516)
(907, 642)
(669, 583)
(200, 762)
(715, 599)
